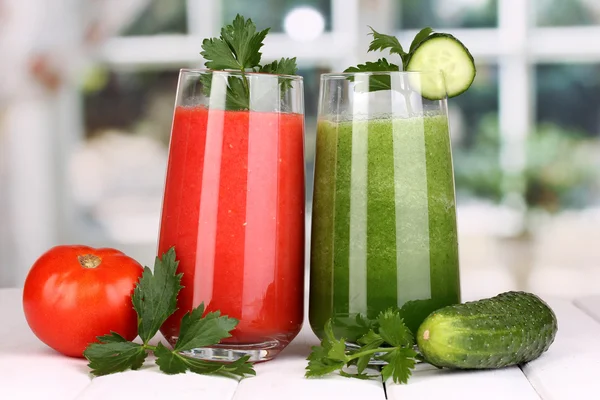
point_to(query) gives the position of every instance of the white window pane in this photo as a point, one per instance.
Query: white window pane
(277, 11)
(567, 12)
(159, 17)
(417, 14)
(563, 170)
(476, 141)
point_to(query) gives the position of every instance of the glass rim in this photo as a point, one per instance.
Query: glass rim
(238, 73)
(345, 75)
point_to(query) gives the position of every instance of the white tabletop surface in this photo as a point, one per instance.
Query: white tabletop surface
(570, 369)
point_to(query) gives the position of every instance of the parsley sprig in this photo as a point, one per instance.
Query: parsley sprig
(237, 49)
(387, 339)
(382, 42)
(154, 300)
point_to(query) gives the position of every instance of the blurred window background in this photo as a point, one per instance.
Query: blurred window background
(87, 95)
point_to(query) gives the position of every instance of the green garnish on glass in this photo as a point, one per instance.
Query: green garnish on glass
(429, 51)
(237, 49)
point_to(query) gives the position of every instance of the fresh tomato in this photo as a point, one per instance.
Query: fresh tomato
(73, 294)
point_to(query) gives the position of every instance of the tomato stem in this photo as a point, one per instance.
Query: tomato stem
(89, 261)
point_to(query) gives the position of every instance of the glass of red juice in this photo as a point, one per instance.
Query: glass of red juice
(234, 207)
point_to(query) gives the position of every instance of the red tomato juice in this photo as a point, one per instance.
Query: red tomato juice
(234, 210)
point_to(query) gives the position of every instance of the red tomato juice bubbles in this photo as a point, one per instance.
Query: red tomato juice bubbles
(234, 210)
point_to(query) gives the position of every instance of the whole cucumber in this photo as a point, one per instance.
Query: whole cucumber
(509, 329)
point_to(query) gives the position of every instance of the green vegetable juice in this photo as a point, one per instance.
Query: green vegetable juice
(383, 222)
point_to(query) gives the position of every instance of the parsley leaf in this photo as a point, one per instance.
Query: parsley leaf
(154, 300)
(401, 362)
(381, 42)
(244, 41)
(114, 354)
(237, 48)
(155, 296)
(373, 66)
(285, 66)
(375, 82)
(171, 362)
(369, 341)
(355, 327)
(168, 361)
(325, 359)
(419, 38)
(206, 82)
(219, 55)
(198, 332)
(238, 96)
(393, 330)
(319, 364)
(388, 339)
(359, 375)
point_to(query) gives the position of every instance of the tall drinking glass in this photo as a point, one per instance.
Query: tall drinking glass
(383, 215)
(233, 207)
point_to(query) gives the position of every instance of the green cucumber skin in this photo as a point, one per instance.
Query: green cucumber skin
(511, 328)
(446, 36)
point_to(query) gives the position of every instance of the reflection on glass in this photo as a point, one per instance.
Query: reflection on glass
(383, 220)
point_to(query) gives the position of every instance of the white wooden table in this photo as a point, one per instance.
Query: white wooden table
(569, 370)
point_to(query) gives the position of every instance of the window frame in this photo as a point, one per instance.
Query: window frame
(516, 45)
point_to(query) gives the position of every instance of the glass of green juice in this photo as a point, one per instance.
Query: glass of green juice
(383, 230)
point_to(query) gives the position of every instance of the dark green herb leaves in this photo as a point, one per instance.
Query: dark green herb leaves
(244, 41)
(369, 341)
(381, 42)
(393, 330)
(389, 340)
(238, 94)
(401, 362)
(218, 54)
(172, 362)
(155, 296)
(114, 354)
(328, 357)
(197, 332)
(375, 82)
(373, 66)
(419, 38)
(285, 66)
(154, 300)
(237, 49)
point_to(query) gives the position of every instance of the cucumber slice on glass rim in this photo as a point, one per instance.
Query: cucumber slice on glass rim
(443, 52)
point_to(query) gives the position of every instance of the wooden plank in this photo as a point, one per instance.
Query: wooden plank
(149, 383)
(283, 378)
(28, 368)
(590, 305)
(569, 369)
(429, 382)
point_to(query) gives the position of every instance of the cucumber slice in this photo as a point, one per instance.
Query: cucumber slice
(443, 52)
